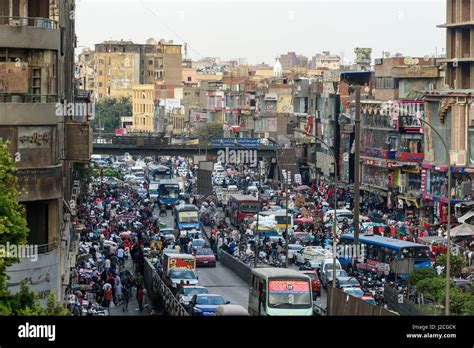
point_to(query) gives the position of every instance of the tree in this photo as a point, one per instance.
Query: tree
(14, 230)
(108, 112)
(457, 263)
(432, 288)
(421, 274)
(13, 226)
(210, 131)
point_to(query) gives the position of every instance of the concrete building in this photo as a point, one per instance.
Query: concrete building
(37, 72)
(451, 112)
(143, 108)
(288, 60)
(162, 63)
(117, 65)
(85, 70)
(459, 44)
(325, 60)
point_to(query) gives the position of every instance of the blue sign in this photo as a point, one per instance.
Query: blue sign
(234, 143)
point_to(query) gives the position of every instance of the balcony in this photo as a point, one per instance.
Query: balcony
(29, 32)
(28, 109)
(40, 183)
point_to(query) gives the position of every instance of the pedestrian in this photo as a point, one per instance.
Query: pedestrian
(107, 267)
(126, 298)
(140, 297)
(121, 255)
(108, 296)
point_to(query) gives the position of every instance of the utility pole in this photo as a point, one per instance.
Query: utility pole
(356, 167)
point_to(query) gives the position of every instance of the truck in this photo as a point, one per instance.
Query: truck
(179, 269)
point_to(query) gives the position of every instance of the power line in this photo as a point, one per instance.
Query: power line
(170, 29)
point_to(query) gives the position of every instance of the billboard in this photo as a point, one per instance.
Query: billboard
(363, 55)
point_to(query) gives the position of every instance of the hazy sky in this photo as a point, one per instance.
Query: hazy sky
(262, 30)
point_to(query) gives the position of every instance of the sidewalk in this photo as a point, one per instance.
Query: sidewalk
(133, 309)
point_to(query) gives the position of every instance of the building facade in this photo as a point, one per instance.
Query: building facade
(37, 80)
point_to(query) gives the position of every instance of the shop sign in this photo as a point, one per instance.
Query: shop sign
(408, 157)
(33, 137)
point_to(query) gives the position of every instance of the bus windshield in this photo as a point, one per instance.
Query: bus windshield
(169, 191)
(249, 207)
(287, 293)
(188, 216)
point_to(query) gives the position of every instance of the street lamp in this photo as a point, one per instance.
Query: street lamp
(448, 253)
(286, 198)
(334, 224)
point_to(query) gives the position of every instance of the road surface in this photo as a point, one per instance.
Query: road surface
(220, 279)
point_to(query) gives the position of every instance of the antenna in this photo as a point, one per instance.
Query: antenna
(185, 50)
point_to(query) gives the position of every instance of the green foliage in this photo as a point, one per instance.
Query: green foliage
(13, 226)
(457, 263)
(421, 274)
(108, 172)
(461, 302)
(26, 303)
(432, 288)
(210, 131)
(108, 112)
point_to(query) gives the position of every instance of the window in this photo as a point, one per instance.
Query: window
(37, 219)
(150, 62)
(189, 78)
(100, 72)
(100, 84)
(385, 83)
(101, 61)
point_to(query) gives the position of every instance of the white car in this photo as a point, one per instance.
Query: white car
(311, 253)
(292, 250)
(341, 214)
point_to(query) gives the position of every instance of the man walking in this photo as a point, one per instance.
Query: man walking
(140, 297)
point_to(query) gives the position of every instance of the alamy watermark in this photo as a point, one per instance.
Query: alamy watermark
(19, 251)
(350, 251)
(228, 156)
(76, 110)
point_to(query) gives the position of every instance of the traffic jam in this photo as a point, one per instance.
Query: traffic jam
(149, 208)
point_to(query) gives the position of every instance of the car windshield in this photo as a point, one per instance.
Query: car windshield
(354, 292)
(294, 247)
(198, 242)
(204, 252)
(370, 300)
(188, 291)
(288, 293)
(210, 300)
(338, 274)
(311, 275)
(182, 274)
(188, 216)
(169, 191)
(348, 282)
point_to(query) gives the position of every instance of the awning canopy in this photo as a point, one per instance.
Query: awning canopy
(462, 230)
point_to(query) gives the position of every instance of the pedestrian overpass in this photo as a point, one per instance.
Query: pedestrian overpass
(143, 145)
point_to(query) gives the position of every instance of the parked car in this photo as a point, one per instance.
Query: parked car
(315, 283)
(186, 293)
(205, 304)
(205, 257)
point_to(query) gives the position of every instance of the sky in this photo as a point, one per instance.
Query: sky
(262, 30)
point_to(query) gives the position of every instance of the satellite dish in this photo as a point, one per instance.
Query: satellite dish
(387, 54)
(426, 58)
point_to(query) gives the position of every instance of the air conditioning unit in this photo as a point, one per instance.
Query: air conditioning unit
(455, 64)
(378, 61)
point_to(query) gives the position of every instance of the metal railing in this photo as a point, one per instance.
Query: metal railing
(28, 98)
(35, 22)
(46, 248)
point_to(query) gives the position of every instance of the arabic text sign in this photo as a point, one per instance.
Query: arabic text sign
(233, 143)
(288, 286)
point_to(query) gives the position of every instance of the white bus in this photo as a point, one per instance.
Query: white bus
(280, 291)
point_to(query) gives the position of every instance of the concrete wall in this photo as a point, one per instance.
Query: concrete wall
(30, 37)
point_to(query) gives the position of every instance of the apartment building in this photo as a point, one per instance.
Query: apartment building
(37, 42)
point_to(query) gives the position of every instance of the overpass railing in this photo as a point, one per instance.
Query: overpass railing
(160, 293)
